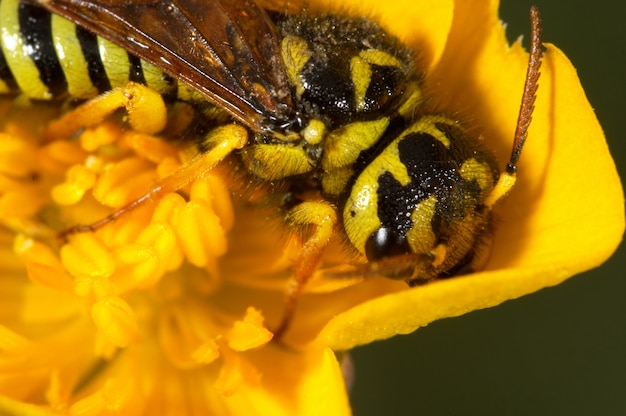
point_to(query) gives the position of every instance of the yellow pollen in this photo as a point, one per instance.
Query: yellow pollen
(43, 265)
(79, 179)
(87, 256)
(249, 333)
(115, 320)
(207, 352)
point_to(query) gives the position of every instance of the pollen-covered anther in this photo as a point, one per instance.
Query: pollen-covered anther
(249, 332)
(58, 155)
(19, 194)
(91, 289)
(101, 135)
(149, 147)
(201, 234)
(79, 179)
(86, 255)
(115, 320)
(199, 231)
(16, 156)
(138, 266)
(161, 237)
(19, 199)
(207, 352)
(213, 189)
(113, 187)
(42, 264)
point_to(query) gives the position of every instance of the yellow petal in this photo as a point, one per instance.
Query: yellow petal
(307, 383)
(11, 342)
(9, 406)
(421, 24)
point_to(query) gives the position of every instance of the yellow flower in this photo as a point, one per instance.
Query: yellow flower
(165, 309)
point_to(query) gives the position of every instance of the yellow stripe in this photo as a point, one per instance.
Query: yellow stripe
(72, 59)
(155, 78)
(361, 73)
(295, 53)
(421, 236)
(378, 57)
(428, 125)
(473, 170)
(116, 63)
(23, 69)
(189, 94)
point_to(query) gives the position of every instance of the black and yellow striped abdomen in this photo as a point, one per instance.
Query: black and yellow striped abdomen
(45, 56)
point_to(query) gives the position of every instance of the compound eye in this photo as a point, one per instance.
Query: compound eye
(385, 242)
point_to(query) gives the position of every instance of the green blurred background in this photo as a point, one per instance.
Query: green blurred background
(561, 351)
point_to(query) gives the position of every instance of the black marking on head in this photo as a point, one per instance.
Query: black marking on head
(329, 88)
(431, 172)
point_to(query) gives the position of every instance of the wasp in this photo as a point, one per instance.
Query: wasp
(324, 112)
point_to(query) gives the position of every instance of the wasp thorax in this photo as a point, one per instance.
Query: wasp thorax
(422, 197)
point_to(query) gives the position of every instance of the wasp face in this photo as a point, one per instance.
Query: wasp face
(422, 197)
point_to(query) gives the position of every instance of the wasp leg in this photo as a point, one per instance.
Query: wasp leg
(145, 108)
(225, 139)
(323, 217)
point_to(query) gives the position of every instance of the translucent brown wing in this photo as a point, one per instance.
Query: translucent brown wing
(225, 49)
